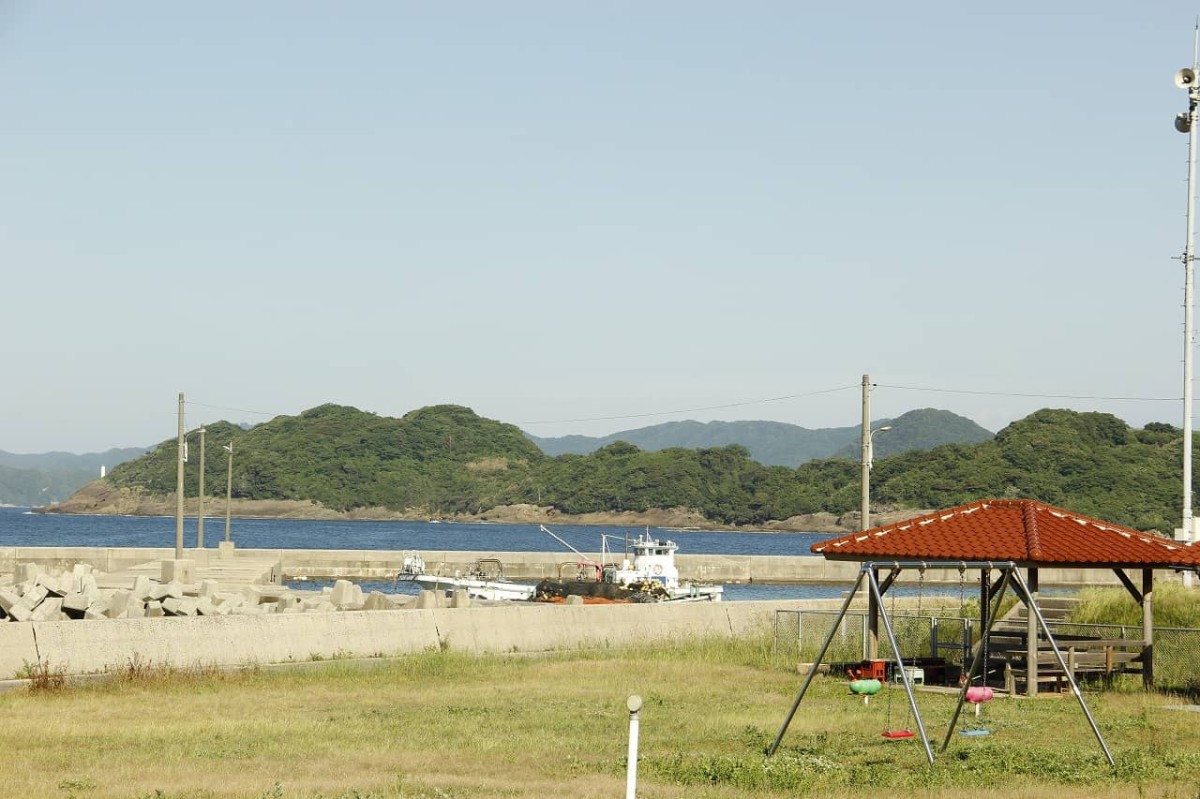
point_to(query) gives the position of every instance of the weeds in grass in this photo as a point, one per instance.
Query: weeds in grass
(43, 678)
(73, 787)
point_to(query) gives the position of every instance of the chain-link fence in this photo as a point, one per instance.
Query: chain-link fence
(800, 633)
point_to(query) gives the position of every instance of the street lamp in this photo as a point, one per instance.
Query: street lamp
(868, 460)
(228, 486)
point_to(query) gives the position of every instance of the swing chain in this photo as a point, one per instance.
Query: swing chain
(920, 587)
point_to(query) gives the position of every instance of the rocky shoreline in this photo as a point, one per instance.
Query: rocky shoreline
(100, 498)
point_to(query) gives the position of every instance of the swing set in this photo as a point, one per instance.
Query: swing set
(975, 694)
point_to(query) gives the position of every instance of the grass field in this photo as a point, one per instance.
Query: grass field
(451, 726)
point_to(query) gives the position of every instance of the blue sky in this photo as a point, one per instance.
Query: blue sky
(582, 217)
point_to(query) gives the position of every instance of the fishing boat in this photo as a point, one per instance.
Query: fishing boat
(646, 573)
(485, 580)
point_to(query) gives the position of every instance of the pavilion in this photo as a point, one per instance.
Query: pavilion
(1029, 534)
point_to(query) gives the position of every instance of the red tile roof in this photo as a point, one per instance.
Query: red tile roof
(1021, 530)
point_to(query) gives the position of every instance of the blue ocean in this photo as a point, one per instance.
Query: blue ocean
(22, 527)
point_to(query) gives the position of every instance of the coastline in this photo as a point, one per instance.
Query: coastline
(101, 499)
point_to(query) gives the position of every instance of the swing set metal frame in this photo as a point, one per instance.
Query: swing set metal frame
(1010, 577)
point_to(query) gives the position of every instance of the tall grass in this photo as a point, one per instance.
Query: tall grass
(446, 725)
(1173, 606)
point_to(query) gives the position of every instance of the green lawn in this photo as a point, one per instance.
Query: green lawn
(449, 726)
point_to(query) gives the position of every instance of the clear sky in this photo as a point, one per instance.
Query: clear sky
(585, 217)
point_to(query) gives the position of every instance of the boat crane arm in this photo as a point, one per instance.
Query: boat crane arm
(557, 538)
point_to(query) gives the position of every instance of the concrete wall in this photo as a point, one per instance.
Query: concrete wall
(96, 646)
(381, 564)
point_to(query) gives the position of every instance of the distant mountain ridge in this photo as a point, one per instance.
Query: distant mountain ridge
(782, 444)
(42, 478)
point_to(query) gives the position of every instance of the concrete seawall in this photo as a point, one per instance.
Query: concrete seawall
(382, 564)
(90, 647)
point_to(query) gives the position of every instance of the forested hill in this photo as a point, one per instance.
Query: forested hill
(446, 460)
(780, 444)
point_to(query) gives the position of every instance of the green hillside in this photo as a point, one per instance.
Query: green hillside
(1091, 463)
(781, 444)
(446, 460)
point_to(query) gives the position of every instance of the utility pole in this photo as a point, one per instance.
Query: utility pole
(200, 497)
(228, 487)
(181, 443)
(866, 452)
(1185, 122)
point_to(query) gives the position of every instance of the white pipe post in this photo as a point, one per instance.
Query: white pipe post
(634, 703)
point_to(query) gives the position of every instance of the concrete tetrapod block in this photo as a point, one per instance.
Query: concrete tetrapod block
(20, 611)
(377, 601)
(55, 584)
(142, 586)
(182, 570)
(428, 600)
(118, 605)
(8, 598)
(75, 605)
(343, 593)
(26, 572)
(49, 609)
(34, 596)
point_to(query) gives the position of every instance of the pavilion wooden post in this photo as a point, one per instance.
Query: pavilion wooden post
(1148, 628)
(1031, 635)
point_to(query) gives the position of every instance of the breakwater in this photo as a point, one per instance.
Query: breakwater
(379, 564)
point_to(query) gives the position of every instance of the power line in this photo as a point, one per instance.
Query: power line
(747, 403)
(238, 410)
(1027, 395)
(691, 410)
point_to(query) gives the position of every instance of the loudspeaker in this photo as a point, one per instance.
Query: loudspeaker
(1183, 122)
(1185, 78)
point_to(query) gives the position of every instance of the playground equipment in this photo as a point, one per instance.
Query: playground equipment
(1010, 576)
(865, 688)
(977, 695)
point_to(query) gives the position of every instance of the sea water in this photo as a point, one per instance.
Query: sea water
(22, 527)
